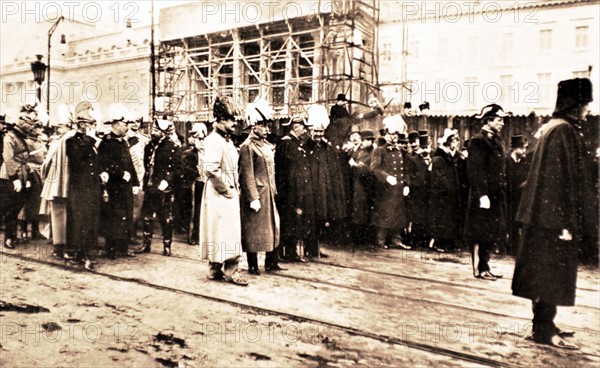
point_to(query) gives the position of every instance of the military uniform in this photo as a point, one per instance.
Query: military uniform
(83, 208)
(117, 214)
(162, 161)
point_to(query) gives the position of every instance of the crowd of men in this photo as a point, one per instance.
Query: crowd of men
(378, 189)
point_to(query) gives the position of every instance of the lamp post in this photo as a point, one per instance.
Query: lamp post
(38, 68)
(63, 41)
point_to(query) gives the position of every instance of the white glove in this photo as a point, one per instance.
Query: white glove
(406, 191)
(27, 184)
(163, 185)
(126, 176)
(566, 235)
(104, 177)
(255, 205)
(352, 162)
(484, 202)
(392, 180)
(135, 190)
(18, 185)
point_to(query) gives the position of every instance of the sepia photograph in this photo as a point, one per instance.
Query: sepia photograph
(304, 183)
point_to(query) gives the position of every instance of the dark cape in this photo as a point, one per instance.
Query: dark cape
(555, 197)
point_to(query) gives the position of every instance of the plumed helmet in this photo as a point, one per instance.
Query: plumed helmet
(28, 118)
(259, 112)
(318, 118)
(225, 108)
(394, 124)
(82, 113)
(117, 112)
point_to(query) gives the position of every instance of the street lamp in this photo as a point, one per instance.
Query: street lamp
(38, 68)
(62, 41)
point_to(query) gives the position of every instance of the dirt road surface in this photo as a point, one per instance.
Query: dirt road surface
(387, 309)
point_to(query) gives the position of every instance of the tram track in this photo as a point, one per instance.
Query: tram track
(433, 349)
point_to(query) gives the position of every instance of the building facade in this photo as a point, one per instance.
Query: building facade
(462, 56)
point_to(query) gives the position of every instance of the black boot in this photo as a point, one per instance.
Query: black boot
(147, 239)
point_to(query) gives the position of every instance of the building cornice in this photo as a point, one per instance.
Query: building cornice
(484, 8)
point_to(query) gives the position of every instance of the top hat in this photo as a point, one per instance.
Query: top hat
(517, 141)
(423, 141)
(492, 111)
(367, 134)
(573, 92)
(403, 139)
(413, 136)
(341, 97)
(407, 105)
(2, 119)
(424, 106)
(424, 132)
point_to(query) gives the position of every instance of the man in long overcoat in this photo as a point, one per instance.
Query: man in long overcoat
(260, 219)
(485, 224)
(393, 186)
(556, 212)
(363, 189)
(194, 179)
(220, 224)
(294, 186)
(328, 183)
(117, 167)
(83, 208)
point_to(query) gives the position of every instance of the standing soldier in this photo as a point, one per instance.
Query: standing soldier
(387, 164)
(118, 172)
(260, 219)
(14, 172)
(517, 168)
(194, 178)
(362, 190)
(485, 225)
(220, 224)
(162, 165)
(294, 185)
(83, 208)
(557, 213)
(328, 183)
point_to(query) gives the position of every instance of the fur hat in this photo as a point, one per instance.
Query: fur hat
(225, 108)
(28, 118)
(318, 118)
(573, 92)
(259, 112)
(394, 124)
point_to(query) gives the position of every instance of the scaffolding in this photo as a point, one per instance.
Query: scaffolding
(291, 63)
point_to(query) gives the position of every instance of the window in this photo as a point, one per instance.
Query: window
(386, 53)
(506, 46)
(442, 49)
(581, 37)
(507, 92)
(544, 89)
(545, 40)
(414, 50)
